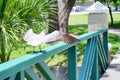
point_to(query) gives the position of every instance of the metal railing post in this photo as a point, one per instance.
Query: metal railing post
(72, 63)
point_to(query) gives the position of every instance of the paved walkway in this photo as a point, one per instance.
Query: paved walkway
(113, 72)
(114, 31)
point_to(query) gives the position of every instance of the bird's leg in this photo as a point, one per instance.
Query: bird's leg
(37, 51)
(40, 48)
(33, 49)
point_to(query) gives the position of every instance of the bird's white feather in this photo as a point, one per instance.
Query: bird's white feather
(34, 39)
(51, 37)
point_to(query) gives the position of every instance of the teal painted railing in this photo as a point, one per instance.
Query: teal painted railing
(95, 55)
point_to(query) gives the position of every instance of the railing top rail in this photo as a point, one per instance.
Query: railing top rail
(18, 64)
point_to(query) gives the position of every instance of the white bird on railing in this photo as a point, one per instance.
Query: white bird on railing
(38, 39)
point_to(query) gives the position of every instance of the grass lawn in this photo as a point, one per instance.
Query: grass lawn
(83, 19)
(115, 41)
(78, 19)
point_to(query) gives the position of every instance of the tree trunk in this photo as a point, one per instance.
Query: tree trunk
(64, 9)
(110, 12)
(2, 36)
(61, 17)
(111, 17)
(2, 49)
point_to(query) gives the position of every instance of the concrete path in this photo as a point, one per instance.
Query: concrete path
(114, 31)
(113, 72)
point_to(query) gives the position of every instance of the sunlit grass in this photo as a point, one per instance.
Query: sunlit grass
(116, 17)
(25, 49)
(78, 19)
(115, 41)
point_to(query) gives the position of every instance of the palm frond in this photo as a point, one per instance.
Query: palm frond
(19, 15)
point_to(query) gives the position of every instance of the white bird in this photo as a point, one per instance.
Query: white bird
(38, 39)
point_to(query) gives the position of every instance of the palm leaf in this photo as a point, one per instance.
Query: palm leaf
(19, 15)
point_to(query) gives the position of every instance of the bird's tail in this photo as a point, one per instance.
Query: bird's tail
(68, 38)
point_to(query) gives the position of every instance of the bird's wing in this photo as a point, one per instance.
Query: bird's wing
(68, 38)
(52, 37)
(31, 36)
(57, 36)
